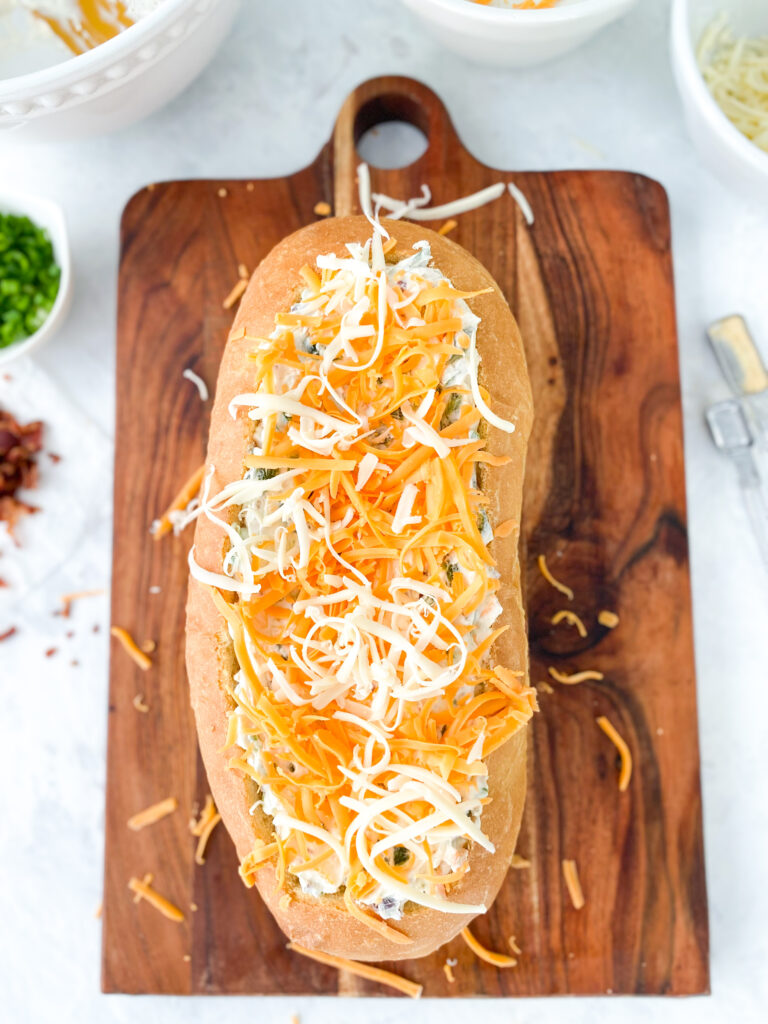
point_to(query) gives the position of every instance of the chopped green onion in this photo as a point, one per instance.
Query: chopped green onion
(29, 278)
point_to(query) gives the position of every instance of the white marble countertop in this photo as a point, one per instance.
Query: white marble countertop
(264, 107)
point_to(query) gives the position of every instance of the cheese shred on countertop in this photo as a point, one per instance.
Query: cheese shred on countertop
(545, 572)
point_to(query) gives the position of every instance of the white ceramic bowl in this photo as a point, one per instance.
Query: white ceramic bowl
(49, 216)
(120, 81)
(505, 37)
(731, 155)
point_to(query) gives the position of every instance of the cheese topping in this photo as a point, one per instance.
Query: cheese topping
(358, 588)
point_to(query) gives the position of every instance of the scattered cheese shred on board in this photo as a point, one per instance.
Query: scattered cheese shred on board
(449, 226)
(203, 827)
(322, 209)
(139, 703)
(152, 814)
(185, 495)
(409, 988)
(544, 687)
(448, 971)
(571, 876)
(736, 73)
(575, 677)
(620, 743)
(519, 863)
(497, 959)
(571, 618)
(144, 891)
(608, 619)
(514, 946)
(237, 291)
(131, 647)
(545, 572)
(197, 380)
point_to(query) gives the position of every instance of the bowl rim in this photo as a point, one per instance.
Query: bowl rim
(691, 85)
(563, 15)
(72, 68)
(49, 215)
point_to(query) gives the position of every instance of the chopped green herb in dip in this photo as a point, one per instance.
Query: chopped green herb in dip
(29, 278)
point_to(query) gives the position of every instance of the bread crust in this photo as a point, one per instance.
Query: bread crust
(323, 922)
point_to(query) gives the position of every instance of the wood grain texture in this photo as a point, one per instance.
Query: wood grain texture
(591, 286)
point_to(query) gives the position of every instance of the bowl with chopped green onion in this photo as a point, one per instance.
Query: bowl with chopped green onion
(35, 272)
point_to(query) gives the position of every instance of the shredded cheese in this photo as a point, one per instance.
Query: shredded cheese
(519, 863)
(519, 196)
(190, 488)
(625, 754)
(131, 648)
(197, 380)
(448, 966)
(152, 814)
(67, 600)
(736, 72)
(572, 619)
(139, 703)
(236, 292)
(545, 572)
(203, 827)
(143, 891)
(450, 225)
(408, 988)
(575, 677)
(573, 885)
(323, 209)
(497, 959)
(608, 619)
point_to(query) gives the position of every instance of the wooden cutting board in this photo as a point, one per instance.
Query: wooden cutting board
(591, 285)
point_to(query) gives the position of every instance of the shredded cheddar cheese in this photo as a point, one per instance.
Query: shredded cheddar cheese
(571, 876)
(450, 225)
(575, 677)
(139, 703)
(497, 959)
(624, 752)
(545, 572)
(203, 827)
(448, 966)
(408, 988)
(182, 500)
(519, 863)
(359, 589)
(131, 648)
(143, 891)
(608, 619)
(152, 814)
(322, 209)
(236, 292)
(571, 618)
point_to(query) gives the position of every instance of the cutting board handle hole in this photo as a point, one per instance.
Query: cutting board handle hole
(391, 132)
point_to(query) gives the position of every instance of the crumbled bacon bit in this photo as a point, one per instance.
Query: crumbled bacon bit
(55, 459)
(51, 651)
(18, 447)
(8, 634)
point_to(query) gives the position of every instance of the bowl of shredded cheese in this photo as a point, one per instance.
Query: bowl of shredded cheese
(515, 33)
(71, 68)
(720, 61)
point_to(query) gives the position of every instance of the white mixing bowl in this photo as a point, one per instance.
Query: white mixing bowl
(731, 155)
(505, 37)
(120, 81)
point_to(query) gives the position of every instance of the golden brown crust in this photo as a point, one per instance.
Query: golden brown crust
(323, 923)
